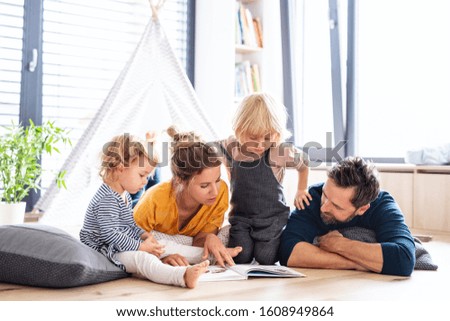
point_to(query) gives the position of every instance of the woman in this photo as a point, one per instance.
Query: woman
(192, 203)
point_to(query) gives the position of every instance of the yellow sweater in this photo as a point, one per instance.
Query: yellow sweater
(157, 210)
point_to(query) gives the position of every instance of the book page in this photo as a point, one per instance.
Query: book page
(265, 270)
(218, 273)
(243, 271)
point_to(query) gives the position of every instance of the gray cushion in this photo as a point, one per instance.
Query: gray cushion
(45, 256)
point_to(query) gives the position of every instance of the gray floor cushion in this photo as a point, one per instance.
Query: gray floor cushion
(45, 256)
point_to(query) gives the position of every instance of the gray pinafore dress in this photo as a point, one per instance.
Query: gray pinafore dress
(258, 210)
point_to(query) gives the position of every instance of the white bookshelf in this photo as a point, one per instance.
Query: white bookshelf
(249, 47)
(216, 54)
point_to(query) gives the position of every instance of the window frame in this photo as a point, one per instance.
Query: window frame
(31, 106)
(321, 154)
(344, 132)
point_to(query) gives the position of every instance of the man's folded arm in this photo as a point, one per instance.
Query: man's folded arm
(307, 255)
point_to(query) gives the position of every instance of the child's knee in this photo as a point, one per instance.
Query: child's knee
(244, 257)
(266, 254)
(266, 259)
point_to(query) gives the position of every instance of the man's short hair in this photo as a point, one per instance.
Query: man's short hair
(357, 173)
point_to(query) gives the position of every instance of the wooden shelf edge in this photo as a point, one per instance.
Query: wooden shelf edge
(243, 49)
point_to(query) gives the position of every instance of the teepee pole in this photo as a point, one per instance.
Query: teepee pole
(155, 7)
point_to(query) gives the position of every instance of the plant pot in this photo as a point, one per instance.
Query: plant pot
(12, 213)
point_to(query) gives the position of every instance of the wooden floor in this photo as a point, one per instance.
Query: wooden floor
(317, 285)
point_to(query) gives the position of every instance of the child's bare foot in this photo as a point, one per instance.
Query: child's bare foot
(193, 273)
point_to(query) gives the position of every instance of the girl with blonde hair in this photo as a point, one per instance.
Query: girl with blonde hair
(257, 157)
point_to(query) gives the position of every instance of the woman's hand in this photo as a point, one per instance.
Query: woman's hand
(302, 197)
(175, 260)
(215, 246)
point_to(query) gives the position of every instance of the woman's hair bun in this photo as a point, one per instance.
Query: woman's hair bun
(183, 137)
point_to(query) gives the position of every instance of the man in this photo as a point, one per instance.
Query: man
(350, 197)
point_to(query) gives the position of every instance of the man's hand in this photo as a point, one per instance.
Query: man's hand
(307, 255)
(366, 256)
(330, 241)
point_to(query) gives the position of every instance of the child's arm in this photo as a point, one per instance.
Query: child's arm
(111, 224)
(296, 158)
(151, 245)
(145, 235)
(144, 213)
(302, 197)
(116, 229)
(225, 147)
(138, 230)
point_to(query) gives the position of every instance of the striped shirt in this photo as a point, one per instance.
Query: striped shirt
(109, 226)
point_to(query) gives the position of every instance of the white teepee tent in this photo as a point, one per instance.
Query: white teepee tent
(151, 93)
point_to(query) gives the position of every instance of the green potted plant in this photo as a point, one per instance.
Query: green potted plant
(21, 148)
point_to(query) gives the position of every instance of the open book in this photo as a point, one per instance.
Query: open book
(244, 271)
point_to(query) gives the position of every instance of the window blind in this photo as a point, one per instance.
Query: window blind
(85, 46)
(11, 31)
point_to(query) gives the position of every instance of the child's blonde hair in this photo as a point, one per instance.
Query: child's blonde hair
(260, 114)
(123, 150)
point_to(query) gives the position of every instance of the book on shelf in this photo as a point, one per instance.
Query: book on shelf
(252, 42)
(247, 28)
(255, 78)
(244, 271)
(238, 26)
(258, 32)
(247, 78)
(244, 25)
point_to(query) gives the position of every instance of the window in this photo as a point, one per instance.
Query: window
(85, 45)
(403, 76)
(401, 79)
(313, 72)
(11, 31)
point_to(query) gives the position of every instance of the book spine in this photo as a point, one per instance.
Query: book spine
(258, 32)
(256, 78)
(251, 29)
(239, 30)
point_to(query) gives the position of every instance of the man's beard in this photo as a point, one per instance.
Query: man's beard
(329, 219)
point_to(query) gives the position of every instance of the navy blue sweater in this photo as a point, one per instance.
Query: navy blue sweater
(384, 217)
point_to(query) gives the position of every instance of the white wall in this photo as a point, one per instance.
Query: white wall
(214, 60)
(272, 61)
(215, 56)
